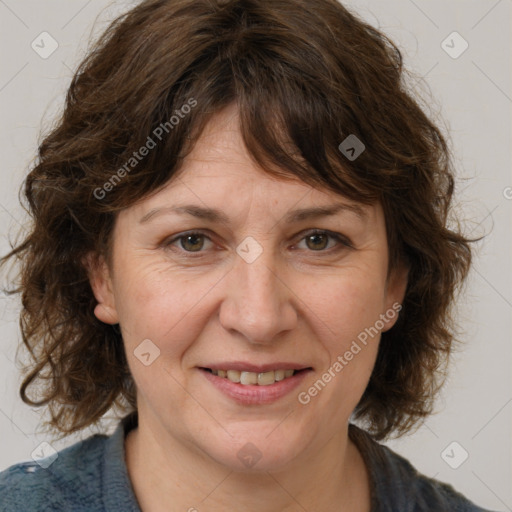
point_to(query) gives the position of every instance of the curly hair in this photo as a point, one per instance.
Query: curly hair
(304, 74)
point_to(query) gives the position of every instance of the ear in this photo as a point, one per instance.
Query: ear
(395, 293)
(101, 284)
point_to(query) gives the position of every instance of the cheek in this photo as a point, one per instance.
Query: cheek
(347, 304)
(168, 313)
(350, 307)
(161, 306)
(351, 343)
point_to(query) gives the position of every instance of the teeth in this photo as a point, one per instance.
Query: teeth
(248, 378)
(279, 375)
(264, 379)
(233, 375)
(253, 378)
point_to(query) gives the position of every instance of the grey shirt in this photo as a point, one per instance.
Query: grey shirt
(91, 475)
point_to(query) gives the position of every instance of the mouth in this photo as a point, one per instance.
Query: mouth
(250, 378)
(249, 384)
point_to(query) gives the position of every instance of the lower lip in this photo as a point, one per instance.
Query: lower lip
(251, 394)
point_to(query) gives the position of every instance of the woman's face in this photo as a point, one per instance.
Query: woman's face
(255, 292)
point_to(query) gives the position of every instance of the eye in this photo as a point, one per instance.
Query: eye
(317, 240)
(193, 241)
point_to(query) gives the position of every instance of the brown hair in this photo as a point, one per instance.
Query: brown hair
(305, 74)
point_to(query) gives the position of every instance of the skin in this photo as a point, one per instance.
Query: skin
(301, 300)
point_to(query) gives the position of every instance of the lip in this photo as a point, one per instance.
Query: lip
(254, 394)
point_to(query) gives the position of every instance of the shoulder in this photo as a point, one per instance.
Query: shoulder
(399, 487)
(68, 482)
(427, 493)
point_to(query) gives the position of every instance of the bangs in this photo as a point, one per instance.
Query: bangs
(293, 115)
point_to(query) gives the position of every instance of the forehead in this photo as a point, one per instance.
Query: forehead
(221, 157)
(219, 179)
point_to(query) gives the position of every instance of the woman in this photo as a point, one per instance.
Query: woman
(240, 237)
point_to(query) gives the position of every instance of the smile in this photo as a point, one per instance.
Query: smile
(255, 387)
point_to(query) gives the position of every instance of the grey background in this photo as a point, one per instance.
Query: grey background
(474, 98)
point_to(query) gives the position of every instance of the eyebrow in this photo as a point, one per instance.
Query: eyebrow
(215, 215)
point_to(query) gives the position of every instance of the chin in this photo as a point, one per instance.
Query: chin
(257, 450)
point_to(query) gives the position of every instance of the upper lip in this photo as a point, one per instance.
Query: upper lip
(256, 368)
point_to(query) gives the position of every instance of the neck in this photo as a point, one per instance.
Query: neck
(164, 471)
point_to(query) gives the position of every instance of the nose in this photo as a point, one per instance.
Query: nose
(258, 303)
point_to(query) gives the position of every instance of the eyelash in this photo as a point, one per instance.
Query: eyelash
(342, 241)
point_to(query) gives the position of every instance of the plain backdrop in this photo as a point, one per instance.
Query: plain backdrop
(473, 98)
